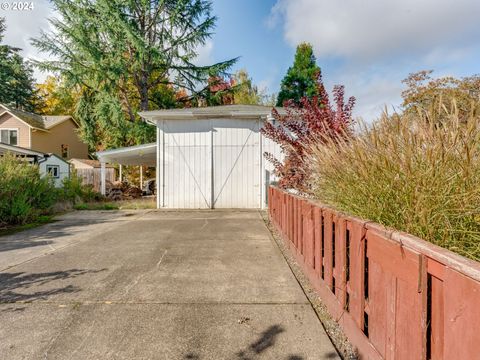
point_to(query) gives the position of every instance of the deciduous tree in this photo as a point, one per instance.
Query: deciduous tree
(220, 91)
(310, 121)
(237, 89)
(245, 91)
(437, 98)
(55, 97)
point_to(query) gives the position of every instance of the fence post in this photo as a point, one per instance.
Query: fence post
(102, 179)
(395, 296)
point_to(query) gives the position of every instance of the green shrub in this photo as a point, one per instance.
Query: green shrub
(75, 192)
(410, 174)
(24, 195)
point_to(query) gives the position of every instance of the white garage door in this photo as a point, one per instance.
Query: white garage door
(214, 163)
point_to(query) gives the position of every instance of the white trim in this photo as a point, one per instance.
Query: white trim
(163, 163)
(262, 168)
(212, 168)
(19, 119)
(10, 129)
(21, 150)
(66, 117)
(51, 166)
(125, 149)
(58, 157)
(16, 117)
(225, 111)
(158, 170)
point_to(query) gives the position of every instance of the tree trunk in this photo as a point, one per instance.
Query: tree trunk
(143, 95)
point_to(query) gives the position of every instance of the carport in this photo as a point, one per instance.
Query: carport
(205, 158)
(28, 154)
(140, 155)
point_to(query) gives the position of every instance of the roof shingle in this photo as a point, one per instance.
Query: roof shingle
(36, 121)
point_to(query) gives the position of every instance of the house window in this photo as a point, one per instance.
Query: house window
(54, 171)
(65, 151)
(9, 136)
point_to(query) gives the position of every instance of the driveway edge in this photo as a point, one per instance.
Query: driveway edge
(344, 348)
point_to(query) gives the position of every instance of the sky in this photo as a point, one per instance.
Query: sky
(367, 45)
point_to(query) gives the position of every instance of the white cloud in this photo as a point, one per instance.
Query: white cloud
(371, 45)
(375, 28)
(265, 85)
(26, 24)
(205, 54)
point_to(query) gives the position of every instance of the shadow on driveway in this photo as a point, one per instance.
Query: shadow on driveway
(46, 234)
(15, 244)
(12, 285)
(256, 349)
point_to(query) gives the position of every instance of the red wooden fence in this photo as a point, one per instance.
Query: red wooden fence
(394, 295)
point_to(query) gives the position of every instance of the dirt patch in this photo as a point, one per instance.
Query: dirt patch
(336, 334)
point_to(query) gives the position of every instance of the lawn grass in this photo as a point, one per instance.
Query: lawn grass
(96, 206)
(136, 204)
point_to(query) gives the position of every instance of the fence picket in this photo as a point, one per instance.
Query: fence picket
(393, 294)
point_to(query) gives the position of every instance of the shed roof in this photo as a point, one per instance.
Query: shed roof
(88, 162)
(52, 155)
(224, 111)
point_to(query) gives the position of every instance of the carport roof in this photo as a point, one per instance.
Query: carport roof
(17, 150)
(225, 111)
(145, 154)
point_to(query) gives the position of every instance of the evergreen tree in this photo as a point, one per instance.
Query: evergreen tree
(127, 56)
(301, 79)
(16, 77)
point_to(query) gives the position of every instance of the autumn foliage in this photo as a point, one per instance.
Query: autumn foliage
(313, 119)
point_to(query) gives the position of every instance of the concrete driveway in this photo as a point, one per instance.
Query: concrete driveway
(153, 285)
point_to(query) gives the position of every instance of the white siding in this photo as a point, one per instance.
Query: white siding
(273, 148)
(64, 169)
(218, 163)
(269, 177)
(187, 164)
(236, 159)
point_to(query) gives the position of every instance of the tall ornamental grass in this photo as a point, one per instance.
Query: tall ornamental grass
(409, 173)
(24, 195)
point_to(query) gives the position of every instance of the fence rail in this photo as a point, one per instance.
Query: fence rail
(394, 295)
